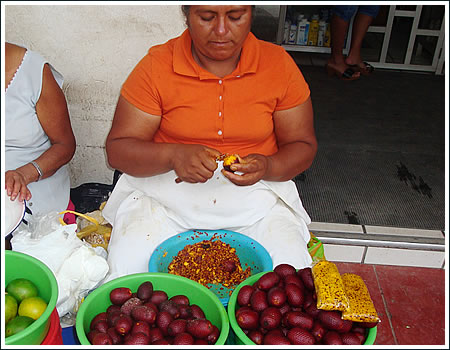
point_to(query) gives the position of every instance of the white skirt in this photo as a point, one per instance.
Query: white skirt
(144, 212)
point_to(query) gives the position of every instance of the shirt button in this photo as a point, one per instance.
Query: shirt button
(220, 114)
(220, 97)
(220, 132)
(220, 81)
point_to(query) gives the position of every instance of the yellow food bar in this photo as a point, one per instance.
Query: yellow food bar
(361, 308)
(329, 287)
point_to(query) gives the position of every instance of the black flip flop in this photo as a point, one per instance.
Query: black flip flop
(346, 75)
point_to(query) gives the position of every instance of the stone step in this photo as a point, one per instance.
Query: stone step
(381, 245)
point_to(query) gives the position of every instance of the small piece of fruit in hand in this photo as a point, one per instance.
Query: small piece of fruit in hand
(229, 160)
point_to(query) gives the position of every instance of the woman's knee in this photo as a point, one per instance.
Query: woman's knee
(345, 12)
(371, 10)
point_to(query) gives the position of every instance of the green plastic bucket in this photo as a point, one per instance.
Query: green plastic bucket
(250, 252)
(98, 300)
(20, 265)
(239, 336)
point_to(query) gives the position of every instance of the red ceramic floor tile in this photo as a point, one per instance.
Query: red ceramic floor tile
(415, 299)
(367, 273)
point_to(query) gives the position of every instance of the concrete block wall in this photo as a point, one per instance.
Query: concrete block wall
(95, 47)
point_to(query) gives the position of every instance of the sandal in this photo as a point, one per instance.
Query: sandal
(348, 74)
(364, 68)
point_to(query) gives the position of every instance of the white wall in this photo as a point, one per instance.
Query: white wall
(95, 47)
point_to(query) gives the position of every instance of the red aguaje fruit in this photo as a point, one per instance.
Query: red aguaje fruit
(332, 338)
(299, 319)
(123, 324)
(256, 337)
(199, 327)
(331, 319)
(350, 338)
(318, 331)
(270, 318)
(213, 336)
(284, 270)
(141, 327)
(268, 280)
(176, 327)
(197, 311)
(163, 319)
(244, 294)
(276, 296)
(300, 336)
(307, 278)
(145, 291)
(102, 316)
(275, 339)
(180, 299)
(116, 338)
(158, 296)
(120, 295)
(183, 339)
(294, 295)
(137, 339)
(248, 319)
(102, 339)
(258, 300)
(129, 305)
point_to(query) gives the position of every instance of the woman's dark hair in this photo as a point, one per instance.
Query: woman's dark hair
(185, 9)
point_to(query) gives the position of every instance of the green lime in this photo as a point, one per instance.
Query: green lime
(21, 288)
(17, 325)
(10, 308)
(32, 307)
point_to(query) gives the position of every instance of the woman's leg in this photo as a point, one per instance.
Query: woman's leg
(284, 236)
(339, 27)
(361, 24)
(140, 225)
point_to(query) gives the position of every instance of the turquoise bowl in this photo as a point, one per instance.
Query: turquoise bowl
(251, 254)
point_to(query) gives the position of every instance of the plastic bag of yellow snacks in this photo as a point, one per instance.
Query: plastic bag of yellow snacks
(329, 287)
(361, 308)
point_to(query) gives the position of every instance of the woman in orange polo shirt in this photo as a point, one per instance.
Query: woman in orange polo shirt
(215, 89)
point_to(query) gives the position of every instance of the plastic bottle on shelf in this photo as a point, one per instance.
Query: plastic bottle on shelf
(302, 32)
(313, 31)
(324, 14)
(287, 28)
(321, 33)
(327, 41)
(292, 34)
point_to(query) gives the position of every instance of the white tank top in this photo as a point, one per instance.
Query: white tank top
(25, 139)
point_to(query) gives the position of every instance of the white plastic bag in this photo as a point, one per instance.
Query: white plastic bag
(77, 266)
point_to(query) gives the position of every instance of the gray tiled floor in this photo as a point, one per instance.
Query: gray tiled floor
(381, 157)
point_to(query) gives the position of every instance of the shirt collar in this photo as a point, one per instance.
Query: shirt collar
(184, 63)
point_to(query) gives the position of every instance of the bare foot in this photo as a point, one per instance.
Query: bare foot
(359, 65)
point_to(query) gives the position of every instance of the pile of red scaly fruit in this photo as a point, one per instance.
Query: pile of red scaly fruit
(280, 309)
(149, 317)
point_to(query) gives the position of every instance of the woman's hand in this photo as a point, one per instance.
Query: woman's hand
(16, 185)
(253, 168)
(194, 163)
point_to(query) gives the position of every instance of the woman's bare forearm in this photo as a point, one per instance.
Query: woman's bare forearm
(140, 158)
(290, 160)
(55, 157)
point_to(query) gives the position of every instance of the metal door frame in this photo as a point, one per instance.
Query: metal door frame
(439, 53)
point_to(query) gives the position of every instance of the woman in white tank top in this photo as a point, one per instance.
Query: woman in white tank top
(39, 140)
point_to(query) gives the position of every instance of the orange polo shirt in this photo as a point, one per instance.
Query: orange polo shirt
(231, 114)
